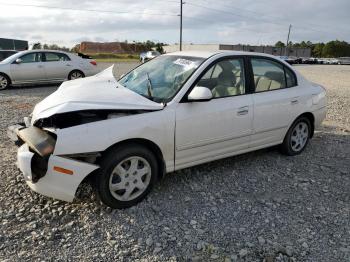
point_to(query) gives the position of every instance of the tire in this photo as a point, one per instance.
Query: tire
(125, 164)
(297, 137)
(75, 74)
(5, 81)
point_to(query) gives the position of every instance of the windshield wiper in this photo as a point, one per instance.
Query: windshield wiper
(149, 87)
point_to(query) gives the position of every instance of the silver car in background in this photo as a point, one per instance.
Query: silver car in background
(43, 66)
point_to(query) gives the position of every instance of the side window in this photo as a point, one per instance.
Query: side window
(63, 57)
(291, 81)
(268, 75)
(208, 74)
(225, 78)
(51, 57)
(31, 58)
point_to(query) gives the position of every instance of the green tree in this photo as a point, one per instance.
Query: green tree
(159, 48)
(336, 49)
(37, 46)
(280, 44)
(317, 50)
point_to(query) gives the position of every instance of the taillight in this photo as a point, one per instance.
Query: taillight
(93, 63)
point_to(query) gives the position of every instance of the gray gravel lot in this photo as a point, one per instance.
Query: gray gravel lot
(254, 207)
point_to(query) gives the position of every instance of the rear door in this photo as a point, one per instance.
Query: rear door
(57, 66)
(30, 70)
(276, 100)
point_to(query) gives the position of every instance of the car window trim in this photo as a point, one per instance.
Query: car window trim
(247, 82)
(250, 57)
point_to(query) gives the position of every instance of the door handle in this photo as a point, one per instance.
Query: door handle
(243, 110)
(68, 65)
(294, 101)
(40, 66)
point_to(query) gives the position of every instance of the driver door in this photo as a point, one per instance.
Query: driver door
(218, 128)
(30, 70)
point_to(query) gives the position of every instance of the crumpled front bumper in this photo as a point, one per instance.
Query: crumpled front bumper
(53, 183)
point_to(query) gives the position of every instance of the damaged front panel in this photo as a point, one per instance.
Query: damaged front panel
(75, 118)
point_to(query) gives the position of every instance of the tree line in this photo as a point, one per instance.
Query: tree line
(149, 45)
(334, 48)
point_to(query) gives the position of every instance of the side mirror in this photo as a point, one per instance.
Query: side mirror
(18, 60)
(200, 94)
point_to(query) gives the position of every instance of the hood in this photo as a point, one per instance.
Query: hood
(101, 91)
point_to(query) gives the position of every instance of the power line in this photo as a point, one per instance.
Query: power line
(89, 10)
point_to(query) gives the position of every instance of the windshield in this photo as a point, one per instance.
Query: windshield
(162, 77)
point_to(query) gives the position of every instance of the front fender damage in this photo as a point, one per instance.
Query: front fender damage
(62, 186)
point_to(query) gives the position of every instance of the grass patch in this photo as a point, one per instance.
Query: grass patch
(115, 60)
(107, 57)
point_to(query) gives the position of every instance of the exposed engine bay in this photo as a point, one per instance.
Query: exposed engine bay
(75, 118)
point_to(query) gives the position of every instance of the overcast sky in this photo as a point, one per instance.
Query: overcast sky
(205, 21)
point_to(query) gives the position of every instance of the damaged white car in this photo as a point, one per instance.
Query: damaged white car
(175, 111)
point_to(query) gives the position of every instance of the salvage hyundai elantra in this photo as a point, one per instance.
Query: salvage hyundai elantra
(175, 111)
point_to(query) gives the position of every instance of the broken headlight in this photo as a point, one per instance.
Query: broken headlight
(37, 139)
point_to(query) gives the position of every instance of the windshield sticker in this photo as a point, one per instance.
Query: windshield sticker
(184, 62)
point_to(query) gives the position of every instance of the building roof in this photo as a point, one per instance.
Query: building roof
(207, 54)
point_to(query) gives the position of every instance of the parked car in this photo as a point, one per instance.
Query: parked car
(175, 111)
(6, 53)
(344, 60)
(334, 61)
(309, 60)
(43, 66)
(145, 56)
(291, 59)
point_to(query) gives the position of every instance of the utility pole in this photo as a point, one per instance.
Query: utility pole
(287, 51)
(181, 4)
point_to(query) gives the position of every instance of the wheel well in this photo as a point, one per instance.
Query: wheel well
(149, 145)
(311, 118)
(8, 77)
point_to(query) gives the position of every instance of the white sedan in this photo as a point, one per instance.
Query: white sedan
(43, 66)
(175, 111)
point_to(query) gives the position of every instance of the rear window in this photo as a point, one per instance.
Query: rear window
(54, 57)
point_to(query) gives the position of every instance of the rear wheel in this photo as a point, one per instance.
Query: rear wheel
(75, 74)
(297, 137)
(127, 175)
(4, 82)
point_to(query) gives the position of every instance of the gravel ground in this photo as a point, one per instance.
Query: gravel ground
(260, 206)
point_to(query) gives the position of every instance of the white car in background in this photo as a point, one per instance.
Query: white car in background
(145, 56)
(175, 111)
(43, 66)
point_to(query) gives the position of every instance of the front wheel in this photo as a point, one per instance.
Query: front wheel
(297, 137)
(127, 175)
(4, 82)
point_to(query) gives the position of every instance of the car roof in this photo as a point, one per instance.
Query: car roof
(207, 54)
(43, 50)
